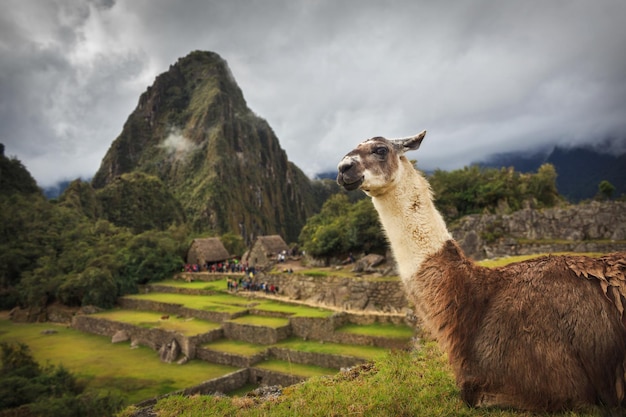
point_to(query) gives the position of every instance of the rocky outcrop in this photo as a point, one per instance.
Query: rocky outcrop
(170, 351)
(588, 227)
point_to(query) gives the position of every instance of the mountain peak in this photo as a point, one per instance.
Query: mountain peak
(193, 130)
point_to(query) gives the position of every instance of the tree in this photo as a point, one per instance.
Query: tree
(233, 243)
(342, 227)
(542, 186)
(605, 190)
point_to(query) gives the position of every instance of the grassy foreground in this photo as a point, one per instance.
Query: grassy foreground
(417, 383)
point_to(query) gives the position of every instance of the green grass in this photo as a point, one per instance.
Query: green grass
(295, 368)
(273, 322)
(417, 383)
(394, 331)
(293, 309)
(294, 343)
(359, 351)
(218, 285)
(209, 301)
(494, 263)
(223, 303)
(137, 374)
(236, 347)
(150, 319)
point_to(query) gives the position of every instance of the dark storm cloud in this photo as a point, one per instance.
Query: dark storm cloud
(481, 76)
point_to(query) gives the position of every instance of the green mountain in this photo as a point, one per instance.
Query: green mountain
(192, 129)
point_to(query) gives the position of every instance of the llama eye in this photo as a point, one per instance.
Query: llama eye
(381, 151)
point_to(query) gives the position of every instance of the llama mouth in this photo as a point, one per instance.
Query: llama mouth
(350, 186)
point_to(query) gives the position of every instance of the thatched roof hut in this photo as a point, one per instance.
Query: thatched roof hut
(205, 250)
(265, 249)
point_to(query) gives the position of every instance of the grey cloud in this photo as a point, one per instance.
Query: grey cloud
(482, 77)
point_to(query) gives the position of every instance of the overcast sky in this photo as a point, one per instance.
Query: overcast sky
(481, 76)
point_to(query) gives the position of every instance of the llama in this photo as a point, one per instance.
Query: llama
(542, 335)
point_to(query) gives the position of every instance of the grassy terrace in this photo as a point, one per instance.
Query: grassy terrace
(228, 302)
(293, 309)
(187, 326)
(295, 368)
(235, 347)
(379, 329)
(494, 263)
(218, 285)
(136, 373)
(359, 351)
(225, 303)
(273, 322)
(248, 349)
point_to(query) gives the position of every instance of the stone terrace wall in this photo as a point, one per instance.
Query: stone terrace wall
(225, 358)
(312, 358)
(255, 334)
(592, 226)
(152, 338)
(261, 376)
(289, 355)
(323, 329)
(315, 328)
(346, 293)
(230, 382)
(223, 384)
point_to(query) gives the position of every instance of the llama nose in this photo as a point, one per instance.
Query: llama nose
(345, 165)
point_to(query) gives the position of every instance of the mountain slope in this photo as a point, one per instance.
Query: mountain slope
(193, 130)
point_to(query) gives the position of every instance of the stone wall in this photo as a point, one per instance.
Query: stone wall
(152, 338)
(312, 358)
(314, 328)
(289, 355)
(223, 384)
(324, 329)
(255, 334)
(261, 376)
(587, 227)
(345, 293)
(225, 358)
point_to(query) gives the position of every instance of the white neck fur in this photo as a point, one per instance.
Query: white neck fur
(413, 225)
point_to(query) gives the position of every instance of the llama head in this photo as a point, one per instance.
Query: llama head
(375, 163)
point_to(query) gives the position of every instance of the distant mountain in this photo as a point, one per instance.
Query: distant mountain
(192, 129)
(579, 169)
(55, 191)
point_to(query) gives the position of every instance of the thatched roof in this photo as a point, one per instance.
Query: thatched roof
(208, 249)
(272, 244)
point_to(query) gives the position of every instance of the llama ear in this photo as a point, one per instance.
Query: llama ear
(411, 143)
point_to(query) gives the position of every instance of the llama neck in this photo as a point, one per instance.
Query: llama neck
(414, 227)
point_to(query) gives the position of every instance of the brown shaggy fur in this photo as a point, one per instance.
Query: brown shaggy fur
(535, 335)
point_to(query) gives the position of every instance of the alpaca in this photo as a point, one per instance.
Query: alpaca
(542, 335)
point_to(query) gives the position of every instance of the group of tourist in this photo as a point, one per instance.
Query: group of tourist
(249, 284)
(231, 266)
